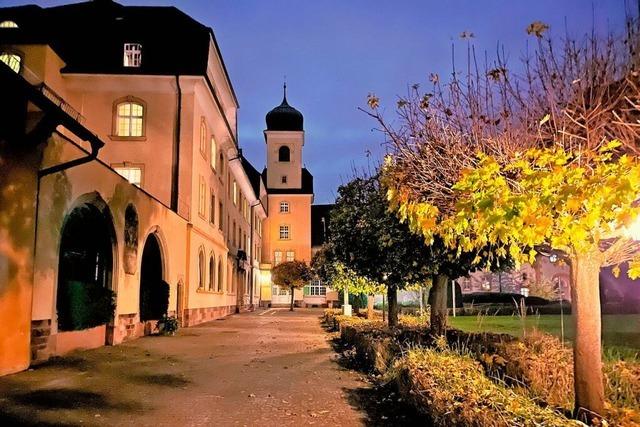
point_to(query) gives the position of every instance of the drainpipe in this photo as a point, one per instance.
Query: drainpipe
(175, 166)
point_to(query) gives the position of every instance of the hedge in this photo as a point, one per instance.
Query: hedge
(84, 305)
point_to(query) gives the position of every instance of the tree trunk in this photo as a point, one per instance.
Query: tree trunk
(370, 303)
(392, 298)
(291, 308)
(587, 351)
(439, 305)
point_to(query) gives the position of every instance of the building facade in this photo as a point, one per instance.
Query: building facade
(129, 173)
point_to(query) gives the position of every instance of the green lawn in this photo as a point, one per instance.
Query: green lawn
(621, 332)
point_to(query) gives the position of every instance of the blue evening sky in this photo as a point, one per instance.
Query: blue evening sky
(334, 52)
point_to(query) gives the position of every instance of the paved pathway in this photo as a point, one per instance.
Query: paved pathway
(264, 368)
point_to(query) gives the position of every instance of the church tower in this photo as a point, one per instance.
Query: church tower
(285, 138)
(289, 186)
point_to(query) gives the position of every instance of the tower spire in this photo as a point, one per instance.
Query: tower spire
(284, 88)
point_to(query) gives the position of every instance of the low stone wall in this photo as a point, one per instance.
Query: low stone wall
(40, 335)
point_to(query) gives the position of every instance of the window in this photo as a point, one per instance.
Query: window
(203, 137)
(284, 207)
(235, 193)
(201, 268)
(284, 154)
(524, 292)
(212, 272)
(132, 55)
(316, 288)
(220, 217)
(220, 275)
(277, 257)
(284, 179)
(133, 174)
(13, 60)
(290, 256)
(8, 24)
(221, 164)
(129, 119)
(202, 197)
(212, 209)
(284, 232)
(213, 153)
(234, 233)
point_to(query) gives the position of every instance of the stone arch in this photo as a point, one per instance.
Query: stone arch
(86, 265)
(154, 290)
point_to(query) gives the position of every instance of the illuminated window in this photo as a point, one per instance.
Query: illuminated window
(133, 174)
(235, 193)
(316, 288)
(129, 120)
(203, 136)
(284, 207)
(213, 153)
(12, 60)
(290, 256)
(132, 55)
(8, 24)
(277, 257)
(220, 275)
(202, 197)
(284, 232)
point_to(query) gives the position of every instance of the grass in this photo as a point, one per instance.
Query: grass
(621, 332)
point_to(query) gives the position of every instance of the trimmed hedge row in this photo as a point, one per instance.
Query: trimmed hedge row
(452, 390)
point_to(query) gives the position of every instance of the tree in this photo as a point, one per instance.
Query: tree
(291, 274)
(507, 130)
(368, 239)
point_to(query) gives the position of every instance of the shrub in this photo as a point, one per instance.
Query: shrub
(167, 325)
(453, 390)
(84, 305)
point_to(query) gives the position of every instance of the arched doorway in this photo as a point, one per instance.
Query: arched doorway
(84, 297)
(154, 291)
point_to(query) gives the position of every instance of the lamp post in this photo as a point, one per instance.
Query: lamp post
(384, 280)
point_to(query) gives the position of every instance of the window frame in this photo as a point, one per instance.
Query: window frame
(202, 197)
(277, 259)
(213, 153)
(286, 205)
(136, 55)
(203, 136)
(16, 53)
(115, 128)
(201, 268)
(9, 24)
(284, 149)
(127, 165)
(286, 228)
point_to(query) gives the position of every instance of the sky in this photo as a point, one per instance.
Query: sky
(335, 52)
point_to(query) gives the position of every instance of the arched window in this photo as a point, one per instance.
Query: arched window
(212, 273)
(8, 24)
(201, 269)
(220, 275)
(129, 118)
(221, 164)
(12, 59)
(203, 137)
(214, 153)
(284, 154)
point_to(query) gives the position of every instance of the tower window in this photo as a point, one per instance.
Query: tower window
(284, 154)
(132, 55)
(284, 207)
(284, 179)
(12, 60)
(8, 24)
(284, 232)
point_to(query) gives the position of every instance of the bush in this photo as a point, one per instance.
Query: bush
(84, 305)
(452, 390)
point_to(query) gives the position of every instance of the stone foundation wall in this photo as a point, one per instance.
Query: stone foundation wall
(40, 340)
(194, 316)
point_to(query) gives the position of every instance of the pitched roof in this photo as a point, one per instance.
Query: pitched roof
(89, 36)
(320, 224)
(254, 176)
(306, 188)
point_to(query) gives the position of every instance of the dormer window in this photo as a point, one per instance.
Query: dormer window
(13, 60)
(132, 55)
(8, 24)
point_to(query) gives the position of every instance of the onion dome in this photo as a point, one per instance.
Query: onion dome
(284, 117)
